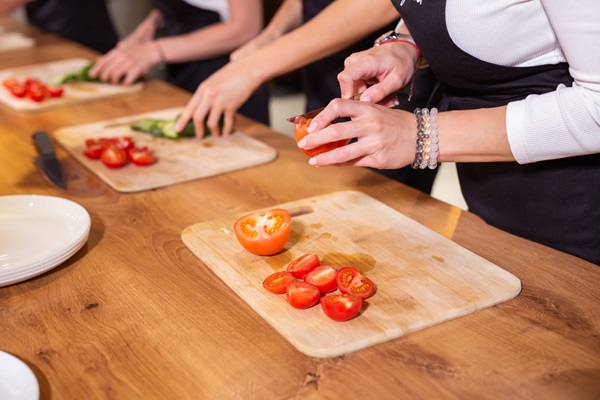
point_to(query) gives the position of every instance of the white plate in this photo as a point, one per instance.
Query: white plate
(17, 381)
(38, 233)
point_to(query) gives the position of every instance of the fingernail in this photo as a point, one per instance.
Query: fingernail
(367, 99)
(312, 127)
(302, 143)
(312, 161)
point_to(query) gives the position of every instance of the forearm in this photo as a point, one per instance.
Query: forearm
(336, 27)
(287, 18)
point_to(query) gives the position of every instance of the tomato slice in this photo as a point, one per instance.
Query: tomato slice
(300, 131)
(55, 91)
(123, 142)
(140, 156)
(36, 95)
(302, 265)
(264, 235)
(323, 277)
(302, 295)
(350, 281)
(93, 151)
(113, 157)
(10, 83)
(341, 307)
(277, 282)
(18, 91)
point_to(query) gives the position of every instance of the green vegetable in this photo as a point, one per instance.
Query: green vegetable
(166, 128)
(83, 75)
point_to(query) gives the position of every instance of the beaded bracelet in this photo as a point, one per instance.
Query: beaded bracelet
(427, 139)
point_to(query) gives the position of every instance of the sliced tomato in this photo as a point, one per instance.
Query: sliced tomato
(93, 151)
(123, 142)
(36, 95)
(300, 131)
(10, 83)
(277, 282)
(141, 156)
(302, 295)
(18, 91)
(350, 281)
(323, 277)
(113, 157)
(264, 235)
(341, 307)
(302, 265)
(55, 91)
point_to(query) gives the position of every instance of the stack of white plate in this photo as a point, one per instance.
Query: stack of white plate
(17, 381)
(37, 233)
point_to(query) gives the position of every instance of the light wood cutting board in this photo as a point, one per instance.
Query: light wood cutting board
(75, 92)
(422, 278)
(178, 160)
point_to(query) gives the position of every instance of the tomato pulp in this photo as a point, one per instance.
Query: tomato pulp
(300, 128)
(277, 283)
(264, 235)
(350, 281)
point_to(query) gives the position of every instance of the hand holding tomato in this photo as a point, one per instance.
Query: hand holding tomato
(264, 235)
(300, 131)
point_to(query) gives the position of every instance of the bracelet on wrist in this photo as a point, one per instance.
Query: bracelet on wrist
(427, 139)
(161, 55)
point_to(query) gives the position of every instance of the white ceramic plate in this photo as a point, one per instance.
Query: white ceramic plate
(17, 381)
(38, 233)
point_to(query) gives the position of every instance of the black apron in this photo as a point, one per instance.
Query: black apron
(85, 21)
(181, 18)
(556, 202)
(320, 84)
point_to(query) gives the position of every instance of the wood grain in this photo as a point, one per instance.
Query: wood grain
(177, 160)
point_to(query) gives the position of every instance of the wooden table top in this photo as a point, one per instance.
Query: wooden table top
(134, 314)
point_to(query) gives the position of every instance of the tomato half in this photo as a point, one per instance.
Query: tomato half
(113, 157)
(350, 281)
(323, 277)
(278, 282)
(93, 151)
(302, 265)
(141, 156)
(122, 142)
(300, 131)
(264, 235)
(302, 295)
(341, 307)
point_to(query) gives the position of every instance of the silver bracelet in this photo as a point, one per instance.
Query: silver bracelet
(427, 139)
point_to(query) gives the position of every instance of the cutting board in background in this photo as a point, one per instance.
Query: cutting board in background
(75, 92)
(14, 41)
(422, 278)
(178, 160)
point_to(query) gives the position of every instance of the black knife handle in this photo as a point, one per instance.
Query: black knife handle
(43, 144)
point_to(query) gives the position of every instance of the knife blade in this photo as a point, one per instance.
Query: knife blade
(313, 113)
(47, 162)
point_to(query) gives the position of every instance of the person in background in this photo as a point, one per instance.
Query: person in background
(193, 39)
(86, 22)
(316, 35)
(518, 110)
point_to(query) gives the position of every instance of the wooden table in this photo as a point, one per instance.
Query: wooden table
(135, 315)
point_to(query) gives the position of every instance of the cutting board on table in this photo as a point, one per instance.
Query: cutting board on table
(422, 278)
(177, 160)
(75, 92)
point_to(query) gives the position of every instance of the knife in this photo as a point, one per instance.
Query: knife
(47, 161)
(313, 113)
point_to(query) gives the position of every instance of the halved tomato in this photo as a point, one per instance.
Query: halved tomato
(300, 131)
(323, 277)
(113, 157)
(55, 91)
(350, 281)
(302, 295)
(123, 142)
(93, 151)
(302, 265)
(140, 156)
(341, 307)
(264, 235)
(277, 282)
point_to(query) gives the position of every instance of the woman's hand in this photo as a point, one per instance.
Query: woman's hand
(126, 66)
(221, 94)
(388, 68)
(386, 138)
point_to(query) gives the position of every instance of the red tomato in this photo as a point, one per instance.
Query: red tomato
(303, 265)
(300, 131)
(36, 95)
(18, 91)
(10, 83)
(341, 307)
(123, 142)
(323, 277)
(277, 282)
(302, 295)
(140, 156)
(350, 281)
(93, 151)
(113, 157)
(264, 235)
(54, 91)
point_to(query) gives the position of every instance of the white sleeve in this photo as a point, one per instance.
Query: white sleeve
(565, 122)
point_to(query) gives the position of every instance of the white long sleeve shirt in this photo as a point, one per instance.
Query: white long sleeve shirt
(522, 33)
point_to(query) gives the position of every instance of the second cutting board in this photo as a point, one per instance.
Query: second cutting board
(177, 160)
